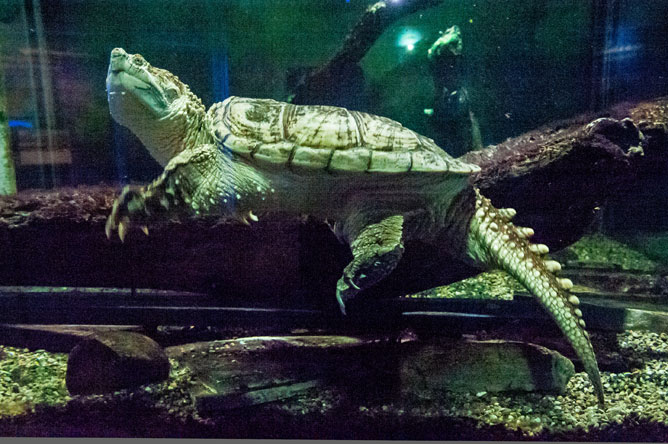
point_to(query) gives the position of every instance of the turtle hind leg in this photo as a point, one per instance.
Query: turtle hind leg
(376, 249)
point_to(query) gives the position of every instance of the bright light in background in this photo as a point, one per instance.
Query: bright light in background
(19, 124)
(408, 37)
(623, 44)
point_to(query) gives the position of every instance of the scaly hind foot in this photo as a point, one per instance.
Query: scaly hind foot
(377, 250)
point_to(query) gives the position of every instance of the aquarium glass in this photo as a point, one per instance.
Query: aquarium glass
(523, 64)
(555, 110)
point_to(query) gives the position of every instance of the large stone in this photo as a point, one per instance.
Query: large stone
(112, 361)
(482, 366)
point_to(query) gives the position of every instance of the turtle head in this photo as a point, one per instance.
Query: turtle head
(154, 104)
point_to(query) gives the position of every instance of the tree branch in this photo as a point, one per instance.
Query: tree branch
(555, 177)
(377, 17)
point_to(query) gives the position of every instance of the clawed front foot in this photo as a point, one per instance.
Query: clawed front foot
(346, 289)
(129, 209)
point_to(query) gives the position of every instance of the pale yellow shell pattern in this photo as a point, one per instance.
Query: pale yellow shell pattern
(314, 138)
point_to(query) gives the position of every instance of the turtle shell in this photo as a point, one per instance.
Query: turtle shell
(310, 138)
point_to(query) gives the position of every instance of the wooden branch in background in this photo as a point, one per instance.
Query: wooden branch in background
(559, 175)
(375, 20)
(555, 177)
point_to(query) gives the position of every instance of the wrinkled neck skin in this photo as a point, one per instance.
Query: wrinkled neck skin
(182, 127)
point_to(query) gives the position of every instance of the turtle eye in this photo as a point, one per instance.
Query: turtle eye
(138, 60)
(171, 94)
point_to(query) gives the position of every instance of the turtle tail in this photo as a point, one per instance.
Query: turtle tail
(496, 242)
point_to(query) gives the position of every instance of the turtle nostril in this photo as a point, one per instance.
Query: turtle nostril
(118, 60)
(117, 52)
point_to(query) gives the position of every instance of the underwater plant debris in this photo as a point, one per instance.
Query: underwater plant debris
(490, 285)
(595, 249)
(29, 378)
(599, 248)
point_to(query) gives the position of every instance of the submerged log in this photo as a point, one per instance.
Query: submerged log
(56, 237)
(555, 177)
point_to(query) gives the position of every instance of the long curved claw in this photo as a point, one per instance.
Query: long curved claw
(342, 304)
(128, 206)
(112, 221)
(123, 227)
(346, 289)
(109, 227)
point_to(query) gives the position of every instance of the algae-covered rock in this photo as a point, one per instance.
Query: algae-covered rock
(600, 249)
(483, 366)
(112, 361)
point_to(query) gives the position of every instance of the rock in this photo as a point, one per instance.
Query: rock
(54, 338)
(111, 361)
(636, 319)
(477, 366)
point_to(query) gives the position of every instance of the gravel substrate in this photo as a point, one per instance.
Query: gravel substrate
(602, 249)
(642, 392)
(635, 397)
(497, 285)
(30, 378)
(33, 401)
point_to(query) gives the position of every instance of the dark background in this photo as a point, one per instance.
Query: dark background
(526, 63)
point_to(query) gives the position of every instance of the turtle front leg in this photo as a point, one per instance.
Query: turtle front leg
(376, 250)
(138, 206)
(128, 203)
(178, 191)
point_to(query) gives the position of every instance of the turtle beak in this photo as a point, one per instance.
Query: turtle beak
(118, 60)
(130, 84)
(118, 63)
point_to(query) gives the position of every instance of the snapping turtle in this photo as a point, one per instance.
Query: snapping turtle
(376, 181)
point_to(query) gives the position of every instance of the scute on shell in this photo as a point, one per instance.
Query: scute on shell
(352, 160)
(314, 138)
(312, 158)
